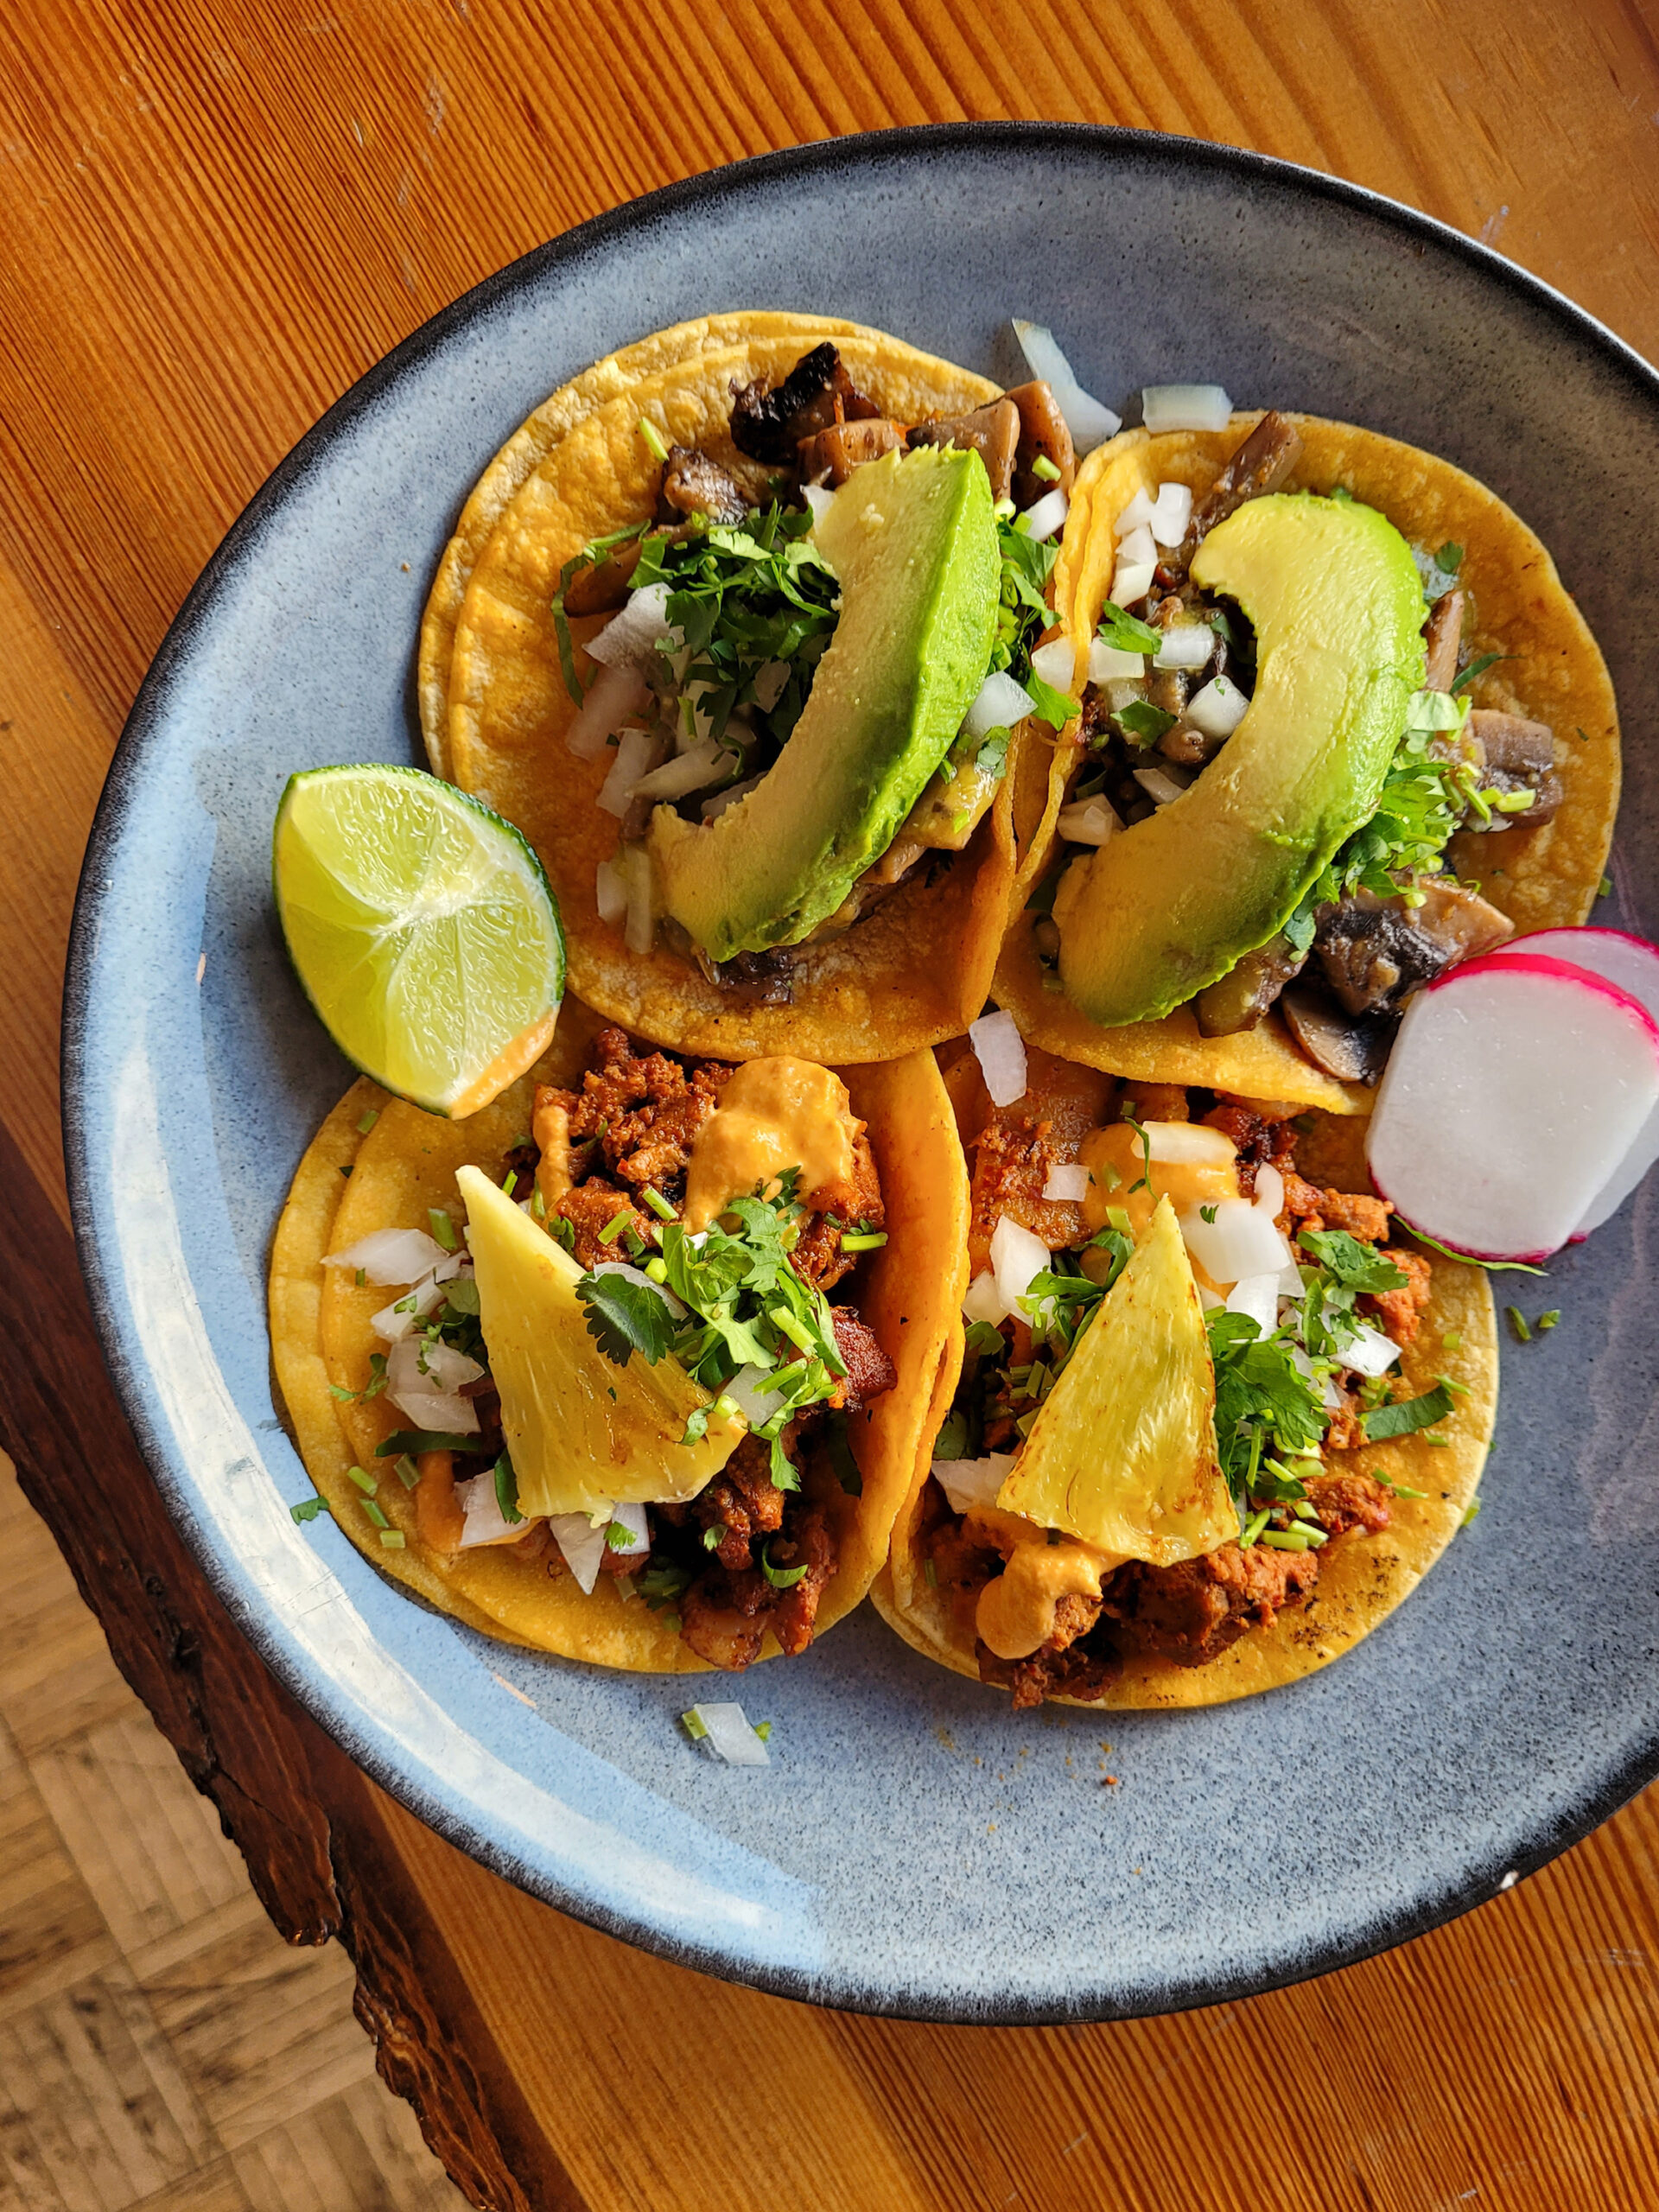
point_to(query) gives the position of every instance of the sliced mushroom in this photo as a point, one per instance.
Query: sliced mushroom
(769, 421)
(992, 432)
(1518, 755)
(694, 485)
(1441, 640)
(1375, 952)
(831, 455)
(1354, 1048)
(1241, 997)
(1043, 435)
(1261, 464)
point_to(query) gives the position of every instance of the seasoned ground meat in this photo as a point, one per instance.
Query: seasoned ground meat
(726, 1613)
(1011, 1161)
(870, 1373)
(818, 1258)
(590, 1211)
(1348, 1502)
(1399, 1314)
(1083, 1669)
(1259, 1143)
(641, 1114)
(1193, 1612)
(742, 1501)
(1315, 1207)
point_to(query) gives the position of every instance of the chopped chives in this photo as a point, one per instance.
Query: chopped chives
(1252, 1529)
(653, 438)
(1548, 1320)
(1470, 1512)
(510, 1181)
(392, 1539)
(365, 1122)
(1044, 468)
(869, 1243)
(443, 1228)
(365, 1482)
(375, 1513)
(407, 1473)
(1119, 1219)
(656, 1268)
(1605, 888)
(362, 1277)
(537, 1205)
(763, 1730)
(614, 1227)
(658, 1203)
(1518, 1323)
(694, 1725)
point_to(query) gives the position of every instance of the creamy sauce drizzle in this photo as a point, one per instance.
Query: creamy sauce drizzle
(1015, 1613)
(1115, 1160)
(773, 1114)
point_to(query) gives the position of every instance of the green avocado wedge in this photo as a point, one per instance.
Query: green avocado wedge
(912, 541)
(1166, 908)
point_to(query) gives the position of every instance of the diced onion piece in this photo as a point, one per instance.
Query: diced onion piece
(581, 1537)
(1137, 547)
(1067, 1185)
(1001, 703)
(818, 496)
(637, 1275)
(1132, 582)
(1136, 516)
(1269, 1190)
(983, 1301)
(1188, 1144)
(631, 637)
(1056, 662)
(391, 1255)
(394, 1322)
(441, 1409)
(419, 1365)
(610, 891)
(1045, 516)
(1258, 1296)
(1239, 1241)
(1219, 708)
(1088, 821)
(1330, 1397)
(768, 683)
(1090, 422)
(612, 697)
(484, 1521)
(968, 1483)
(703, 765)
(1185, 407)
(638, 751)
(1000, 1051)
(1188, 646)
(1369, 1353)
(748, 1392)
(728, 1735)
(714, 808)
(1017, 1257)
(641, 924)
(1159, 787)
(1111, 664)
(1170, 514)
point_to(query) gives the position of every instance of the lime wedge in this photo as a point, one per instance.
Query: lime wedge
(423, 929)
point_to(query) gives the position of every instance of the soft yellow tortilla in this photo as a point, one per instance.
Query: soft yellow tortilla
(909, 1292)
(1361, 1577)
(1542, 878)
(919, 968)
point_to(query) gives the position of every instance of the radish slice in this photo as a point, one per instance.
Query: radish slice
(1515, 1089)
(1633, 964)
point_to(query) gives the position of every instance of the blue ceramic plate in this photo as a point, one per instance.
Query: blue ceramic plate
(913, 1847)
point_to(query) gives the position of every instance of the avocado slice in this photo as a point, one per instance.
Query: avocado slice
(912, 540)
(1122, 1454)
(1159, 913)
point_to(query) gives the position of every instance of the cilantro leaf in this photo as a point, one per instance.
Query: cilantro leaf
(1049, 705)
(1355, 1266)
(414, 1440)
(1127, 633)
(625, 1317)
(1143, 721)
(506, 1490)
(309, 1509)
(1405, 1416)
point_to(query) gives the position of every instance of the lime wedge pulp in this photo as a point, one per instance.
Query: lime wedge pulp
(423, 929)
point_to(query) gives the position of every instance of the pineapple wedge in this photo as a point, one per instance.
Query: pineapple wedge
(583, 1432)
(1122, 1454)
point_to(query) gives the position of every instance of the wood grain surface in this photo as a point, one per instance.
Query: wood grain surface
(214, 215)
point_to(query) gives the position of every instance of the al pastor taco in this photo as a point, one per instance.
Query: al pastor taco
(1341, 727)
(1212, 1424)
(634, 1364)
(737, 630)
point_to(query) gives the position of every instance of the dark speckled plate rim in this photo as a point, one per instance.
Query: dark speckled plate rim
(149, 710)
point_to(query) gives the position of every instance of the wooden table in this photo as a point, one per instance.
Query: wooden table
(216, 214)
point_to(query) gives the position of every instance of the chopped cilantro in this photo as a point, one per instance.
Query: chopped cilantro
(624, 1317)
(763, 1728)
(1143, 1181)
(781, 1578)
(309, 1509)
(619, 1537)
(1407, 1416)
(1355, 1266)
(1449, 559)
(1143, 721)
(1477, 668)
(1546, 1321)
(1048, 705)
(951, 1442)
(1127, 633)
(506, 1490)
(1207, 1213)
(423, 1439)
(1492, 1266)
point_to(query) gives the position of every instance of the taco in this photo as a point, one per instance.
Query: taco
(1212, 1424)
(634, 1366)
(1341, 727)
(765, 737)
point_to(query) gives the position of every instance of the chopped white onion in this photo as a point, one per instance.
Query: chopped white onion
(768, 684)
(818, 496)
(748, 1393)
(633, 1518)
(581, 1537)
(641, 924)
(1090, 422)
(1258, 1296)
(983, 1301)
(1067, 1185)
(1045, 516)
(703, 765)
(728, 1735)
(1136, 516)
(1132, 582)
(1017, 1257)
(631, 637)
(610, 891)
(1239, 1241)
(613, 696)
(1000, 1051)
(1219, 708)
(1330, 1397)
(414, 1364)
(1056, 662)
(637, 1275)
(1369, 1353)
(1001, 703)
(1088, 821)
(1170, 514)
(395, 1321)
(714, 808)
(1188, 1144)
(638, 751)
(1159, 787)
(484, 1521)
(1269, 1190)
(437, 1409)
(1185, 407)
(391, 1255)
(968, 1483)
(1137, 548)
(1188, 646)
(1111, 664)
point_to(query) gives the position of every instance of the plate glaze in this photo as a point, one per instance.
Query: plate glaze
(914, 1847)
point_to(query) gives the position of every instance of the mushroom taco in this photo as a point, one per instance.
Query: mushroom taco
(765, 737)
(1341, 727)
(634, 1364)
(1211, 1425)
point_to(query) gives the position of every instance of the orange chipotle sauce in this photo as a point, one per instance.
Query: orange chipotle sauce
(773, 1114)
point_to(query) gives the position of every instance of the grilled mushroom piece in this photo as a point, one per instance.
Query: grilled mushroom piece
(769, 421)
(1261, 464)
(1241, 997)
(1354, 1048)
(1375, 952)
(1442, 638)
(694, 485)
(831, 455)
(1043, 435)
(992, 431)
(1519, 756)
